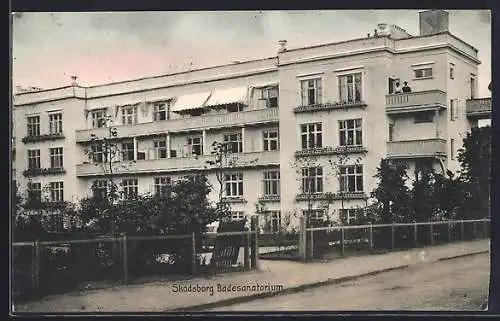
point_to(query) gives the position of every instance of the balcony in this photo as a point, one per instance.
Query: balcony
(234, 199)
(332, 196)
(251, 117)
(270, 198)
(416, 148)
(415, 101)
(329, 106)
(43, 171)
(40, 138)
(478, 108)
(178, 164)
(330, 151)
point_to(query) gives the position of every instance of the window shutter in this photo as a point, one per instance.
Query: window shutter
(319, 91)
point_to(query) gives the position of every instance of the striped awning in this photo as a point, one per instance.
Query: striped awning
(190, 101)
(228, 96)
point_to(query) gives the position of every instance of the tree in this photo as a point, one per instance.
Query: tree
(423, 194)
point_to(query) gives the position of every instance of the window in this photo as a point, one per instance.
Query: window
(129, 115)
(160, 147)
(35, 191)
(55, 123)
(233, 108)
(130, 188)
(391, 132)
(98, 155)
(351, 214)
(311, 91)
(350, 88)
(273, 220)
(128, 151)
(424, 117)
(271, 140)
(453, 109)
(311, 136)
(351, 178)
(33, 158)
(237, 216)
(423, 73)
(160, 112)
(314, 215)
(195, 145)
(234, 184)
(272, 183)
(100, 188)
(56, 191)
(312, 180)
(161, 183)
(452, 148)
(452, 72)
(270, 94)
(234, 142)
(99, 118)
(34, 126)
(350, 132)
(472, 87)
(56, 157)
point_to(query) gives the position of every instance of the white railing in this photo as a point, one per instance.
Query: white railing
(416, 148)
(429, 98)
(480, 106)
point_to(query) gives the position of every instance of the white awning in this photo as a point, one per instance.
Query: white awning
(228, 96)
(190, 101)
(267, 84)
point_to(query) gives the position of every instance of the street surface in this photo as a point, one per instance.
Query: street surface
(456, 284)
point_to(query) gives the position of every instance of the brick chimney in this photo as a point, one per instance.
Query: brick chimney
(433, 22)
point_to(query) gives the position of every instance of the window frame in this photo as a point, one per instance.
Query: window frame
(344, 178)
(271, 183)
(192, 144)
(419, 117)
(127, 117)
(271, 99)
(130, 191)
(351, 214)
(305, 91)
(226, 138)
(160, 183)
(158, 111)
(98, 117)
(159, 149)
(316, 135)
(267, 140)
(452, 148)
(126, 151)
(353, 88)
(424, 72)
(313, 181)
(56, 157)
(237, 215)
(56, 190)
(233, 185)
(36, 191)
(34, 158)
(100, 188)
(356, 130)
(55, 123)
(33, 127)
(274, 220)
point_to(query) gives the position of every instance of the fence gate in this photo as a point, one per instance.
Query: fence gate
(227, 247)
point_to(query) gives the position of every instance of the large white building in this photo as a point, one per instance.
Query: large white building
(303, 108)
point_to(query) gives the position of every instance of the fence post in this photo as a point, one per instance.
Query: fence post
(342, 241)
(36, 269)
(475, 230)
(415, 233)
(449, 232)
(193, 254)
(311, 240)
(302, 237)
(246, 252)
(392, 236)
(462, 236)
(370, 237)
(431, 230)
(255, 244)
(486, 229)
(125, 258)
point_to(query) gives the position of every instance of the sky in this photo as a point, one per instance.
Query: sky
(102, 47)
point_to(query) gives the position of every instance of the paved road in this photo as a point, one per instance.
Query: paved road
(457, 284)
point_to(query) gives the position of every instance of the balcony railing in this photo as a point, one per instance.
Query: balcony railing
(186, 124)
(331, 151)
(416, 148)
(270, 198)
(43, 171)
(415, 101)
(329, 106)
(44, 137)
(179, 164)
(331, 196)
(480, 107)
(234, 199)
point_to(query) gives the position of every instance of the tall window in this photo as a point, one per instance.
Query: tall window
(237, 215)
(273, 219)
(270, 94)
(350, 88)
(100, 188)
(311, 91)
(195, 145)
(272, 183)
(452, 72)
(56, 191)
(453, 109)
(391, 132)
(99, 118)
(452, 148)
(56, 157)
(160, 112)
(472, 87)
(33, 158)
(351, 214)
(128, 151)
(160, 147)
(55, 123)
(161, 184)
(423, 73)
(234, 184)
(312, 180)
(271, 140)
(35, 191)
(351, 178)
(234, 142)
(130, 188)
(98, 155)
(311, 135)
(129, 115)
(351, 133)
(33, 125)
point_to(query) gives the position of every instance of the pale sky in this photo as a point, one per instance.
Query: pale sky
(102, 47)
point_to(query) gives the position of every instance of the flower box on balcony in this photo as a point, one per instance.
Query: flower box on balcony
(234, 200)
(329, 106)
(270, 198)
(331, 150)
(39, 138)
(43, 171)
(331, 196)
